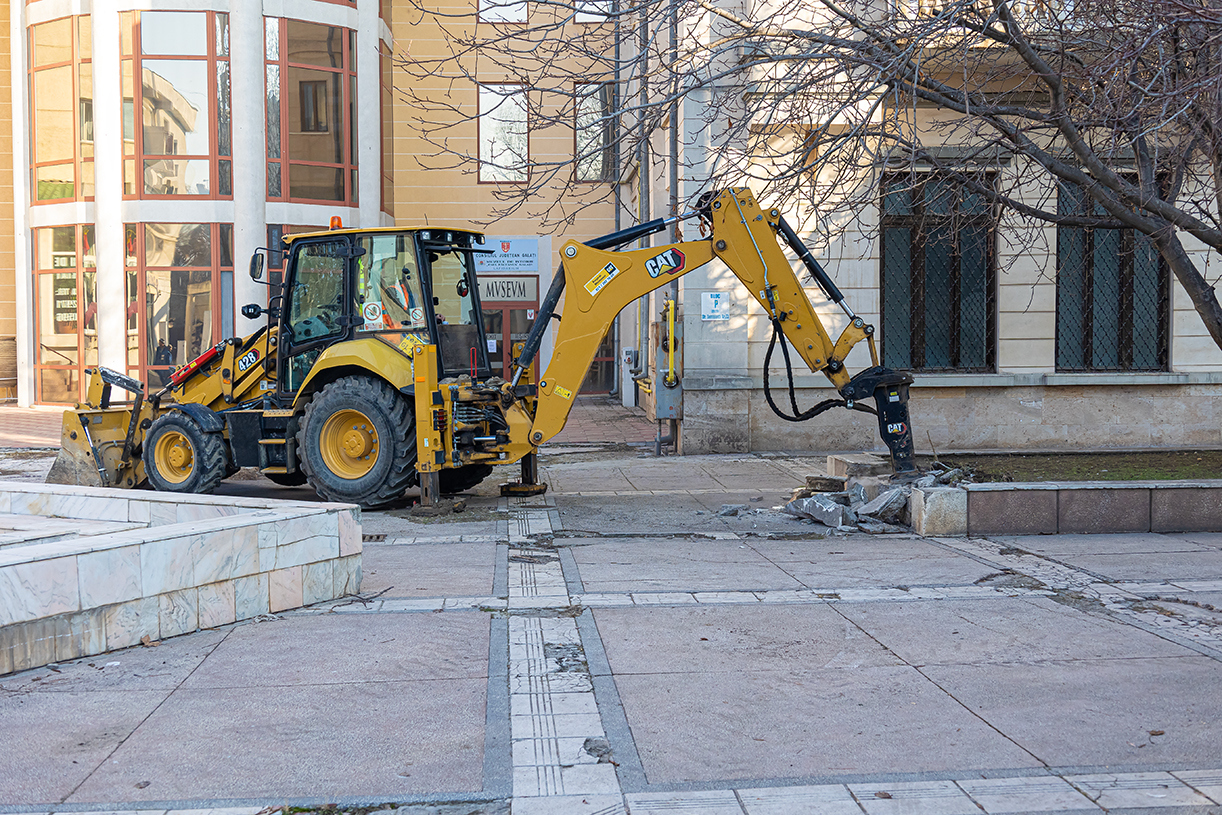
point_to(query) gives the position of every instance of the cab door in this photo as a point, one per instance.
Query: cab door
(316, 313)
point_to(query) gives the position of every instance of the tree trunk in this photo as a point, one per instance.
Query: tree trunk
(1204, 298)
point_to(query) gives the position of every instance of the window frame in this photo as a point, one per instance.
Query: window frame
(481, 12)
(134, 161)
(524, 90)
(1126, 271)
(79, 269)
(74, 63)
(608, 133)
(347, 79)
(137, 274)
(919, 224)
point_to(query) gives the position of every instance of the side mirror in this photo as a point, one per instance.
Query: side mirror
(256, 266)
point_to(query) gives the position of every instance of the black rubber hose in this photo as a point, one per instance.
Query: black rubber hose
(798, 415)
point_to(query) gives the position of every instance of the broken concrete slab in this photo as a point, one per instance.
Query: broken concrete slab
(890, 506)
(847, 464)
(938, 511)
(818, 507)
(825, 483)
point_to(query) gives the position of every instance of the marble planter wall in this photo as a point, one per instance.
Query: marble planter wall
(181, 563)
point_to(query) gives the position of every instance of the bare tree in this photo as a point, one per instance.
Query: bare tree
(1113, 104)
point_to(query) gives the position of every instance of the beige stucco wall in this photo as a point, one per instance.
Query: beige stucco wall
(427, 188)
(8, 272)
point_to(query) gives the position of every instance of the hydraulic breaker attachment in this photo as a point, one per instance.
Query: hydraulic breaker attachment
(890, 391)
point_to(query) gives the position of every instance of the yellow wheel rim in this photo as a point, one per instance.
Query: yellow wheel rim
(175, 457)
(349, 444)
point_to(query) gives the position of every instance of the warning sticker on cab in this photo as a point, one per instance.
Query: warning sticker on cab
(410, 343)
(565, 392)
(605, 275)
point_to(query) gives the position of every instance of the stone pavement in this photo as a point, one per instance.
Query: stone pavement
(618, 646)
(30, 427)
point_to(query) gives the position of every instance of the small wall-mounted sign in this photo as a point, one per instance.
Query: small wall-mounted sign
(714, 305)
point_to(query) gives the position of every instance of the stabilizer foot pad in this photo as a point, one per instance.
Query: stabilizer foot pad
(523, 489)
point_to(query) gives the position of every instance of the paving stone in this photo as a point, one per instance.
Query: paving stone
(914, 798)
(1138, 790)
(734, 638)
(570, 805)
(1002, 630)
(716, 802)
(832, 799)
(53, 741)
(1020, 795)
(301, 741)
(1207, 782)
(1104, 709)
(428, 570)
(317, 649)
(703, 727)
(647, 564)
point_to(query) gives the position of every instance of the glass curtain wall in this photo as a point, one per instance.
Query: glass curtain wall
(179, 287)
(180, 145)
(61, 104)
(311, 116)
(65, 314)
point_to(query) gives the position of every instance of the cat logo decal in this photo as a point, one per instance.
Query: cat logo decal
(671, 261)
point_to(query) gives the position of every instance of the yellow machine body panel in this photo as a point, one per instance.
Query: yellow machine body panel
(366, 353)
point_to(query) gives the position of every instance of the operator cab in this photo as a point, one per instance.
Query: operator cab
(403, 287)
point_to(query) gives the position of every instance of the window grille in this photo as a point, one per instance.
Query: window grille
(938, 276)
(1113, 295)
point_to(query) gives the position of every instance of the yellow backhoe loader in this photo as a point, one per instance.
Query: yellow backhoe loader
(372, 372)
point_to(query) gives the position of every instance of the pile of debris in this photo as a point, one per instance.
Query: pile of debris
(865, 500)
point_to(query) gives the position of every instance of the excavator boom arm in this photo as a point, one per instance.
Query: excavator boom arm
(598, 283)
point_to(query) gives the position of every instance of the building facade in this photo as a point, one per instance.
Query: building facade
(154, 148)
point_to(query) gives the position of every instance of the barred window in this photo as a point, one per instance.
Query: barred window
(938, 276)
(1113, 295)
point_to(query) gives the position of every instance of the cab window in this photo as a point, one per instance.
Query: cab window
(316, 297)
(388, 293)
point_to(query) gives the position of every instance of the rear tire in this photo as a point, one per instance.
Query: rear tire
(180, 457)
(357, 442)
(463, 478)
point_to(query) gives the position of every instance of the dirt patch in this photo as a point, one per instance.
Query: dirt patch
(1160, 465)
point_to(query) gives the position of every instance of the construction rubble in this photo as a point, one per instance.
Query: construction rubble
(862, 499)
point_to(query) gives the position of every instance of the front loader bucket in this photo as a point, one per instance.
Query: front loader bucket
(76, 463)
(99, 444)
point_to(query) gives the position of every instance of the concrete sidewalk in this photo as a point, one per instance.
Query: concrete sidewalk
(619, 646)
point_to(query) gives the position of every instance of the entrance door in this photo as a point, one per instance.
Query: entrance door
(504, 326)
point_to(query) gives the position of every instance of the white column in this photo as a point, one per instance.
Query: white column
(247, 77)
(368, 112)
(23, 270)
(108, 188)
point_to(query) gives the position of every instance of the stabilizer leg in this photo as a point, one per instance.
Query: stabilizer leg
(529, 485)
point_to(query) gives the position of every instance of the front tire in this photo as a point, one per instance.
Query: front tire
(180, 457)
(358, 442)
